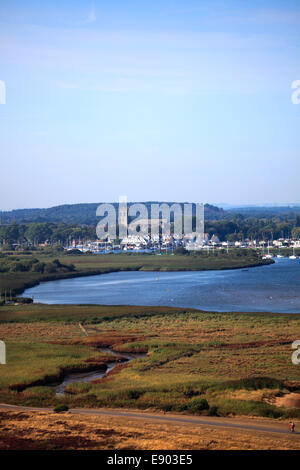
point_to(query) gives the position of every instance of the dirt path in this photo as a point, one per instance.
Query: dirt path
(246, 424)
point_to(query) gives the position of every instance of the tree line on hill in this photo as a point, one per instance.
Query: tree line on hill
(239, 228)
(84, 213)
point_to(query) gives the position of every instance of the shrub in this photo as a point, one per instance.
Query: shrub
(134, 394)
(251, 383)
(38, 267)
(254, 408)
(188, 391)
(50, 268)
(57, 263)
(198, 404)
(213, 411)
(269, 412)
(61, 408)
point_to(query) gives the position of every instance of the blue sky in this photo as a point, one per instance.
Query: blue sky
(165, 100)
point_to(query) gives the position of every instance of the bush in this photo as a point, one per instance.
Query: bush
(38, 267)
(253, 408)
(57, 263)
(198, 404)
(270, 413)
(213, 411)
(61, 408)
(134, 394)
(50, 268)
(188, 391)
(253, 383)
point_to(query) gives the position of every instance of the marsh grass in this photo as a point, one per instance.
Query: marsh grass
(30, 364)
(236, 362)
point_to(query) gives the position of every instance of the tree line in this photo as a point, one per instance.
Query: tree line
(253, 228)
(36, 233)
(237, 229)
(17, 265)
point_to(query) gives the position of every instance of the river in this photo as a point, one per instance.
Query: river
(272, 288)
(96, 374)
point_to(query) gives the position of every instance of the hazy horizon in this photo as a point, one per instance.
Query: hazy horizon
(222, 205)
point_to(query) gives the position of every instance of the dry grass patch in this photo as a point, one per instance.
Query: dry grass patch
(47, 430)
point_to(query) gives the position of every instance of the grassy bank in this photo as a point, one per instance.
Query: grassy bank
(16, 279)
(197, 362)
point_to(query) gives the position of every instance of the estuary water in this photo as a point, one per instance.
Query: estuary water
(273, 288)
(97, 374)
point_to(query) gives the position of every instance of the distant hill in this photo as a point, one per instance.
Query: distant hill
(265, 212)
(81, 213)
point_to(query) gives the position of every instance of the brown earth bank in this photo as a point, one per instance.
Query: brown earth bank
(290, 400)
(46, 430)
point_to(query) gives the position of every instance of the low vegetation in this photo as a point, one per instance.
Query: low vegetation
(61, 408)
(208, 363)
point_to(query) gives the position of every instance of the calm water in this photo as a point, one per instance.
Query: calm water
(274, 288)
(96, 374)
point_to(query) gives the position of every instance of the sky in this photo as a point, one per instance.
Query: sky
(165, 100)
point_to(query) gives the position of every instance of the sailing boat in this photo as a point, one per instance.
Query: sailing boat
(268, 256)
(279, 254)
(293, 256)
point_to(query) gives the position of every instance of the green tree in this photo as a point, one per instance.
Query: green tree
(296, 232)
(38, 233)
